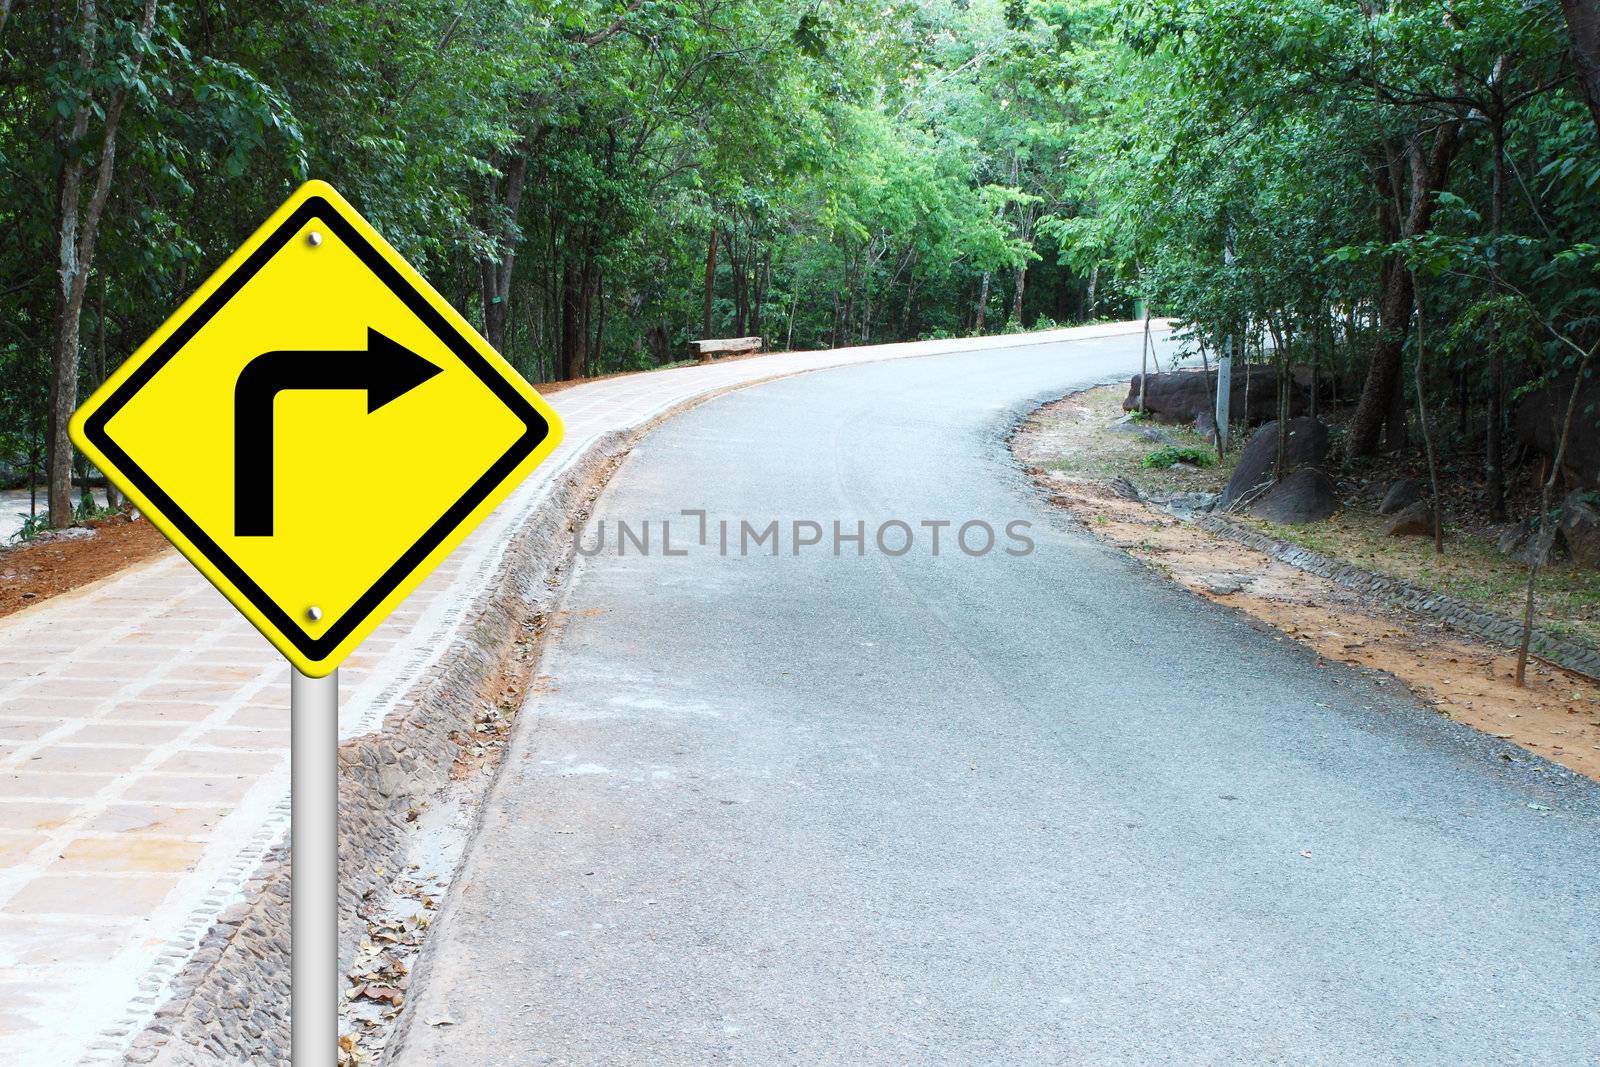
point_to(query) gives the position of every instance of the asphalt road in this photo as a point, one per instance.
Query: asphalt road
(981, 809)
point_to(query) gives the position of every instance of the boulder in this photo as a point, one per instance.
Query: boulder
(1401, 495)
(1183, 396)
(1580, 528)
(1413, 520)
(1537, 423)
(1205, 425)
(1172, 396)
(1519, 542)
(1307, 495)
(1307, 446)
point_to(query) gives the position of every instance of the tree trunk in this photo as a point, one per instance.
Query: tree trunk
(909, 309)
(1316, 358)
(1397, 426)
(79, 228)
(660, 342)
(113, 499)
(1372, 412)
(1280, 344)
(1094, 283)
(573, 339)
(1544, 538)
(711, 282)
(1583, 27)
(1493, 467)
(739, 276)
(1428, 172)
(1422, 427)
(494, 274)
(1494, 442)
(983, 302)
(64, 353)
(599, 292)
(1016, 297)
(866, 304)
(763, 283)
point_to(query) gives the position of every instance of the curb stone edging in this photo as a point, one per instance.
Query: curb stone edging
(231, 999)
(1568, 655)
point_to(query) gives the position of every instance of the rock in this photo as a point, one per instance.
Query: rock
(69, 533)
(1580, 528)
(1518, 540)
(1185, 395)
(1536, 425)
(1401, 495)
(1413, 520)
(1307, 495)
(390, 779)
(1205, 425)
(1124, 488)
(1183, 505)
(1307, 446)
(1128, 426)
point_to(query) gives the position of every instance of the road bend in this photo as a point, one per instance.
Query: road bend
(986, 808)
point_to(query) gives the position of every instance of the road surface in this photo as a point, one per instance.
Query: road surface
(980, 809)
(144, 742)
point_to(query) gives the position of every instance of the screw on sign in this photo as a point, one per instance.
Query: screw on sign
(313, 372)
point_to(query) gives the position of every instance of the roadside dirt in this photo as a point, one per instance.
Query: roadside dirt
(33, 572)
(1072, 454)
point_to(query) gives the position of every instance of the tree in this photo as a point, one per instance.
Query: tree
(108, 58)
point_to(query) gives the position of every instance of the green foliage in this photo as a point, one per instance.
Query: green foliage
(556, 167)
(32, 526)
(88, 510)
(561, 170)
(1164, 457)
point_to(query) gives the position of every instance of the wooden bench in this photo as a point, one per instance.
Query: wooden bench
(704, 350)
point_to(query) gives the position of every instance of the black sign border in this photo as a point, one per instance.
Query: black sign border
(537, 429)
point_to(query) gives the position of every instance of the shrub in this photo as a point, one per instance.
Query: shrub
(1163, 458)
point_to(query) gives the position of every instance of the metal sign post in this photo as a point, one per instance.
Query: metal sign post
(314, 868)
(1224, 391)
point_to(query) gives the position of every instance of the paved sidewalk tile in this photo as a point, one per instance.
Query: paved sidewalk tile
(144, 740)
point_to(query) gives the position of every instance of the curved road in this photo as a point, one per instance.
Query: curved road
(962, 809)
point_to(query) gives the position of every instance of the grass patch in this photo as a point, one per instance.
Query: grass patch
(1166, 457)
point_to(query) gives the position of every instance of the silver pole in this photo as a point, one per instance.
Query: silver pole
(1144, 358)
(1225, 364)
(314, 848)
(1224, 391)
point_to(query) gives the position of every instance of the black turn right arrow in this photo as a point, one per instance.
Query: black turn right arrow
(386, 369)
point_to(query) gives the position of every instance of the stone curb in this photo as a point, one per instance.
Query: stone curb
(231, 1004)
(1568, 655)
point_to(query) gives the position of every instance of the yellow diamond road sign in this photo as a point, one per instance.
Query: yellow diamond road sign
(316, 429)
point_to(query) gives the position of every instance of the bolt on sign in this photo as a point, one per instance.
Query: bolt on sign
(316, 429)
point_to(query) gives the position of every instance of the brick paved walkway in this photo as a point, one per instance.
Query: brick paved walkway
(144, 741)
